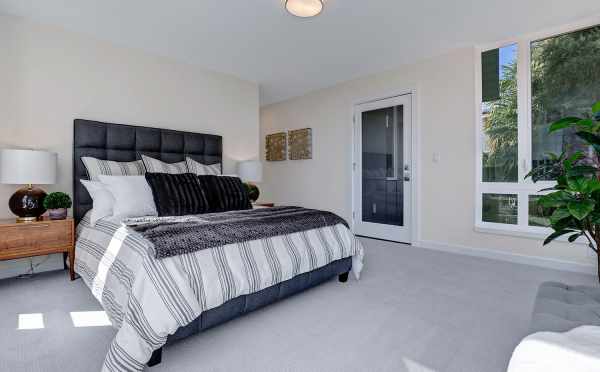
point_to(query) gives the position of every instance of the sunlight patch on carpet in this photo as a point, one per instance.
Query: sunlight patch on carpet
(31, 321)
(90, 319)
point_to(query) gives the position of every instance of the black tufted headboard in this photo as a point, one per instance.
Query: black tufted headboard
(120, 142)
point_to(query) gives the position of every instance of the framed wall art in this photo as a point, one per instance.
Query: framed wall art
(276, 146)
(300, 146)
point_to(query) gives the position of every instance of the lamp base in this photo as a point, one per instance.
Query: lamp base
(27, 203)
(27, 219)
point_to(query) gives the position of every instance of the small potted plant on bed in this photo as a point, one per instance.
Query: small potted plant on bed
(574, 201)
(57, 204)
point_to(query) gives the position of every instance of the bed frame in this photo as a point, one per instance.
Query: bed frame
(120, 142)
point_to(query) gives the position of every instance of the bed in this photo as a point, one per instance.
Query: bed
(156, 301)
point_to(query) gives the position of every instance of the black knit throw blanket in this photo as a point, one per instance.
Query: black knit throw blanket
(173, 236)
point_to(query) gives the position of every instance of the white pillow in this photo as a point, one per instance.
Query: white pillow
(102, 198)
(202, 169)
(133, 196)
(157, 166)
(96, 167)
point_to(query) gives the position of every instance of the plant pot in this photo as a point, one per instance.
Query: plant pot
(57, 214)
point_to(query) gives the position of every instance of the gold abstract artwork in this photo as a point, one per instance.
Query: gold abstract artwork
(276, 146)
(300, 144)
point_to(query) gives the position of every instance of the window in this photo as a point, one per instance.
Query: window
(500, 208)
(524, 87)
(499, 114)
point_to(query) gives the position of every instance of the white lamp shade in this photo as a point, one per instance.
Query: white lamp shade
(250, 171)
(18, 167)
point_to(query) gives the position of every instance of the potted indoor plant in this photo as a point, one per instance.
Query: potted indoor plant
(574, 201)
(57, 204)
(252, 190)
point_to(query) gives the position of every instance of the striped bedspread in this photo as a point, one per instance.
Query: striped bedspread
(147, 299)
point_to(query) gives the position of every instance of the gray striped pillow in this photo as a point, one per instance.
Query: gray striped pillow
(203, 169)
(157, 166)
(96, 167)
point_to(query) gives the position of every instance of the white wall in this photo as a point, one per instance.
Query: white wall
(446, 118)
(48, 77)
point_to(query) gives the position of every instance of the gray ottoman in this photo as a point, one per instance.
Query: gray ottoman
(560, 307)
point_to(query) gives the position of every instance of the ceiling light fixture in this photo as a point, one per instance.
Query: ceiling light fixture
(304, 8)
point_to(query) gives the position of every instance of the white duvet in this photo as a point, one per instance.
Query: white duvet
(147, 299)
(577, 350)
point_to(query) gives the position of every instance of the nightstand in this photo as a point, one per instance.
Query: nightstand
(263, 205)
(20, 240)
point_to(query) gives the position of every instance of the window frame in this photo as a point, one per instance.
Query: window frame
(522, 188)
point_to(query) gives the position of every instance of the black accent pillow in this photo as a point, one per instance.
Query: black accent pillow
(177, 194)
(225, 193)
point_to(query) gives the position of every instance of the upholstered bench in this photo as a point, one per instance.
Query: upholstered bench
(560, 307)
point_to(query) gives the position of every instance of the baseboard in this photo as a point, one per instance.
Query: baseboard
(12, 268)
(548, 263)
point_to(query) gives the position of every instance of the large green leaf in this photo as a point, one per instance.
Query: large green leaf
(574, 237)
(555, 199)
(571, 160)
(583, 185)
(591, 139)
(581, 208)
(582, 170)
(592, 185)
(563, 123)
(553, 188)
(567, 223)
(577, 184)
(559, 214)
(596, 107)
(595, 217)
(585, 124)
(556, 234)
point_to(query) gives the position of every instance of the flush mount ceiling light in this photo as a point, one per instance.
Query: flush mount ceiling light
(304, 8)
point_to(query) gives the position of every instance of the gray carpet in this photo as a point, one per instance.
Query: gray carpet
(413, 310)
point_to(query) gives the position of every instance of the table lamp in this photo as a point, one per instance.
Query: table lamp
(250, 171)
(27, 167)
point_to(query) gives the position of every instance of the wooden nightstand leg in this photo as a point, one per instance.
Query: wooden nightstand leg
(72, 252)
(72, 264)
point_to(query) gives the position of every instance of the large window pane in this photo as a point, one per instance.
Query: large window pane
(538, 215)
(500, 208)
(565, 81)
(499, 114)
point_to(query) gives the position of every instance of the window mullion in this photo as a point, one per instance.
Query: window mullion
(524, 131)
(478, 139)
(523, 209)
(523, 111)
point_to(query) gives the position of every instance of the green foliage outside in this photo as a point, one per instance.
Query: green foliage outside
(565, 75)
(500, 126)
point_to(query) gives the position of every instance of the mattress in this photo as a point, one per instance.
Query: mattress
(148, 299)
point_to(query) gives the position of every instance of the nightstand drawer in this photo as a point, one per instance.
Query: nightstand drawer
(47, 234)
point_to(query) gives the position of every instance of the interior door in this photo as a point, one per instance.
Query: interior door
(382, 169)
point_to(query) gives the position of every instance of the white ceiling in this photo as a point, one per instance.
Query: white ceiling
(257, 40)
